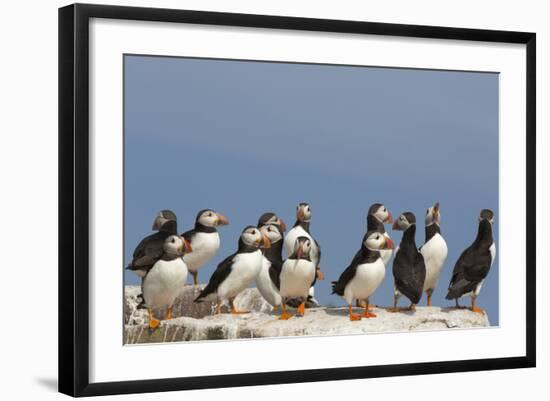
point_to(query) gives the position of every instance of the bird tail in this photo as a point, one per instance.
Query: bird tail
(453, 293)
(336, 288)
(458, 288)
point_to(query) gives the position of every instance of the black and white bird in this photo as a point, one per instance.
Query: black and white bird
(297, 274)
(271, 218)
(365, 273)
(204, 239)
(151, 247)
(237, 271)
(166, 277)
(301, 229)
(434, 250)
(409, 269)
(377, 216)
(268, 279)
(473, 265)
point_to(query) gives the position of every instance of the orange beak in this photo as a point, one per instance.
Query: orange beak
(222, 220)
(301, 214)
(395, 225)
(187, 248)
(389, 243)
(389, 219)
(266, 242)
(283, 225)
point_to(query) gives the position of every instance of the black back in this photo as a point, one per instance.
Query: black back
(474, 263)
(409, 270)
(274, 255)
(150, 248)
(223, 270)
(220, 274)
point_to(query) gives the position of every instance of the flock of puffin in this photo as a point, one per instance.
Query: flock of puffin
(164, 259)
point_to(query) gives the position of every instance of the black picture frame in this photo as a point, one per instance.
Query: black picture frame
(74, 198)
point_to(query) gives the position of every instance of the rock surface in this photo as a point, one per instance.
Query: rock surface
(194, 322)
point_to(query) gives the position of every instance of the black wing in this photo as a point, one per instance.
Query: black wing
(470, 269)
(338, 287)
(188, 235)
(220, 274)
(148, 251)
(409, 272)
(275, 273)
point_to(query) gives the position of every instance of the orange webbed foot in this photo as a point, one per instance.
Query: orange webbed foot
(353, 316)
(154, 323)
(285, 316)
(168, 315)
(478, 310)
(368, 314)
(301, 309)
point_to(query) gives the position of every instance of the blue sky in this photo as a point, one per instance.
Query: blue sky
(247, 137)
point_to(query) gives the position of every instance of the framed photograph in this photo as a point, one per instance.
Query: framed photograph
(257, 199)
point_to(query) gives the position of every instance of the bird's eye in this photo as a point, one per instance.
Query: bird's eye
(209, 214)
(173, 240)
(384, 209)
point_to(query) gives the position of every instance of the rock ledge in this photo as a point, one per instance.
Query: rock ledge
(196, 322)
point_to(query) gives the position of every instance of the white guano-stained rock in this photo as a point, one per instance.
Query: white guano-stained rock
(194, 322)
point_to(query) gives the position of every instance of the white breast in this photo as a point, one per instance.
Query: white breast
(367, 279)
(245, 270)
(435, 253)
(290, 241)
(296, 278)
(164, 282)
(265, 285)
(205, 246)
(493, 250)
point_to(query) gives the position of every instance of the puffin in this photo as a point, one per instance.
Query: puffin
(267, 281)
(409, 269)
(237, 271)
(204, 239)
(167, 275)
(473, 265)
(301, 229)
(165, 224)
(297, 274)
(377, 216)
(434, 250)
(271, 218)
(365, 273)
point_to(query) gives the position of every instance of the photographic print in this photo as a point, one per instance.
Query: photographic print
(274, 199)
